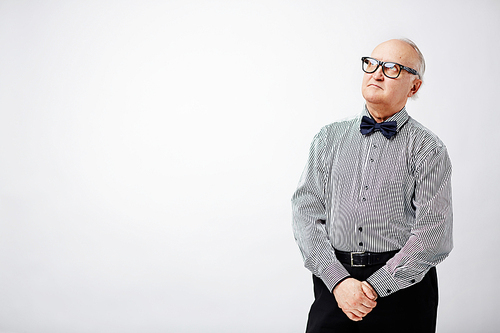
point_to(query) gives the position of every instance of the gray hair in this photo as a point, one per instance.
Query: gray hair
(421, 61)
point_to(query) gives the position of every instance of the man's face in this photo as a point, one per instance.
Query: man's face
(391, 94)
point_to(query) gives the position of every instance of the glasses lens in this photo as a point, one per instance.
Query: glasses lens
(391, 69)
(369, 65)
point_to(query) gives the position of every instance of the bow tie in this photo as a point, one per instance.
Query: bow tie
(369, 125)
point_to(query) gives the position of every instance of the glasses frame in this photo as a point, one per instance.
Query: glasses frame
(382, 63)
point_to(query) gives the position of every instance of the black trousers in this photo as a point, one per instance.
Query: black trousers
(412, 309)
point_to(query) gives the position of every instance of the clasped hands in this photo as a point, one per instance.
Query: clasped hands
(355, 298)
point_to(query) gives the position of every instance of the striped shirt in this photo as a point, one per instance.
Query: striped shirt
(370, 193)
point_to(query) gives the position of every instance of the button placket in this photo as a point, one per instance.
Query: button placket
(366, 170)
(372, 155)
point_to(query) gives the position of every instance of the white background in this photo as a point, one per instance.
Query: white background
(149, 150)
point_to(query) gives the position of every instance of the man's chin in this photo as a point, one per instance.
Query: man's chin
(373, 98)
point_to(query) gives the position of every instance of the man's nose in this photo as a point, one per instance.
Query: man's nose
(378, 75)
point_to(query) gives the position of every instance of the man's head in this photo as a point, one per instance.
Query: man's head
(385, 95)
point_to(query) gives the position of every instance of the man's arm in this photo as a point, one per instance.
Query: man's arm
(431, 239)
(309, 216)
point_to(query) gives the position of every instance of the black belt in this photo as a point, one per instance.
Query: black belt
(362, 259)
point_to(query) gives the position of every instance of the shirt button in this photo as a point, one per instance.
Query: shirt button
(371, 160)
(364, 199)
(366, 187)
(374, 146)
(360, 243)
(360, 229)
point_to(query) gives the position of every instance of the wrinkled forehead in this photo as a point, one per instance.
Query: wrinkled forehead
(396, 51)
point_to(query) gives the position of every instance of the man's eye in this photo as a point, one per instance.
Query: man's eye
(392, 67)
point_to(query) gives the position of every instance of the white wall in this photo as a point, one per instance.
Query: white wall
(149, 150)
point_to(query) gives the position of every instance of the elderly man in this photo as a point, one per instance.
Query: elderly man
(372, 213)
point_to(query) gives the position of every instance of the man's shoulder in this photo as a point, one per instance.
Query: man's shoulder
(340, 126)
(422, 141)
(420, 132)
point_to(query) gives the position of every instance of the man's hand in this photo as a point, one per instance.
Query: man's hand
(352, 299)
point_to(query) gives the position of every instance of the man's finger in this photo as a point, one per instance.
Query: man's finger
(359, 311)
(353, 317)
(365, 301)
(371, 307)
(369, 291)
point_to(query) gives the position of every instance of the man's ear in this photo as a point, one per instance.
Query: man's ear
(415, 87)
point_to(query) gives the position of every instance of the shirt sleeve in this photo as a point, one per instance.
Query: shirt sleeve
(309, 216)
(431, 236)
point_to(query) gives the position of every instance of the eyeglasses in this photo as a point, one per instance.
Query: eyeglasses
(390, 69)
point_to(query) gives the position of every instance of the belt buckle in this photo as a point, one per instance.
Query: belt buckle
(352, 261)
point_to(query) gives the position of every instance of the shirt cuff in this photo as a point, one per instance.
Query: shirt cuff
(333, 275)
(383, 282)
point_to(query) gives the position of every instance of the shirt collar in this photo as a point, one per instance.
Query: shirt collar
(401, 117)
